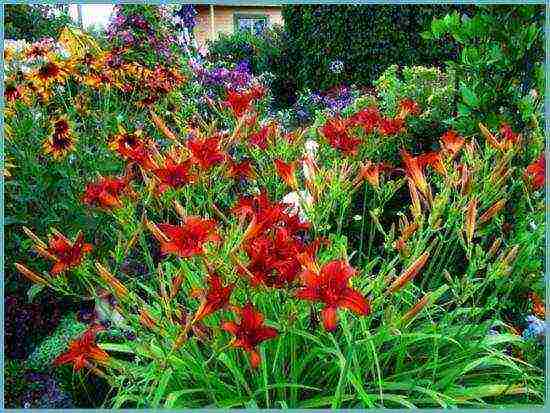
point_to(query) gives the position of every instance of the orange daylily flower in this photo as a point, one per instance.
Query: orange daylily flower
(68, 254)
(188, 240)
(451, 143)
(536, 172)
(214, 298)
(83, 350)
(414, 169)
(331, 286)
(249, 332)
(287, 172)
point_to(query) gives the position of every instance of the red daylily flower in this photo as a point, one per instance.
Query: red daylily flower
(331, 287)
(215, 298)
(242, 169)
(414, 168)
(105, 192)
(434, 160)
(336, 132)
(536, 171)
(266, 215)
(188, 240)
(68, 254)
(508, 134)
(451, 142)
(389, 126)
(240, 102)
(260, 138)
(368, 119)
(206, 152)
(408, 107)
(273, 259)
(82, 350)
(174, 175)
(249, 332)
(287, 172)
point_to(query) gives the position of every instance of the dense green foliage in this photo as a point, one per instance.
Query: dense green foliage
(500, 62)
(261, 51)
(366, 39)
(33, 22)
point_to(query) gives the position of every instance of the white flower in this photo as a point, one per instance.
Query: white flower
(296, 202)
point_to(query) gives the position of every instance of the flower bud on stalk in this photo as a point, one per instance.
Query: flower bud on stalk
(35, 238)
(119, 289)
(465, 181)
(31, 275)
(470, 222)
(492, 211)
(494, 248)
(427, 300)
(176, 284)
(159, 123)
(409, 273)
(146, 319)
(179, 209)
(415, 199)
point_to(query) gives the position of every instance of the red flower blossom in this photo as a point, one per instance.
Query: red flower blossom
(249, 332)
(451, 142)
(408, 107)
(368, 119)
(260, 138)
(336, 132)
(68, 254)
(536, 171)
(173, 174)
(331, 287)
(371, 173)
(508, 134)
(82, 350)
(105, 192)
(287, 172)
(188, 240)
(206, 152)
(273, 259)
(242, 169)
(266, 215)
(241, 102)
(215, 298)
(389, 126)
(414, 168)
(132, 147)
(434, 160)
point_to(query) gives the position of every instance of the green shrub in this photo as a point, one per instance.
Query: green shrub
(33, 22)
(434, 90)
(365, 39)
(499, 63)
(260, 51)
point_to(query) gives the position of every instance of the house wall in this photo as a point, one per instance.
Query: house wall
(223, 19)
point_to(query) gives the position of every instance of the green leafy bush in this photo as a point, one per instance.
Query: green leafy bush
(261, 51)
(364, 39)
(500, 63)
(33, 22)
(433, 89)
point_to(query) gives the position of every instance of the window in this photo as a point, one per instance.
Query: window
(254, 23)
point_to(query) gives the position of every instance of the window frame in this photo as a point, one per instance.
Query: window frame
(239, 15)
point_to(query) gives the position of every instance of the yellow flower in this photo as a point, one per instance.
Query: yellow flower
(61, 141)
